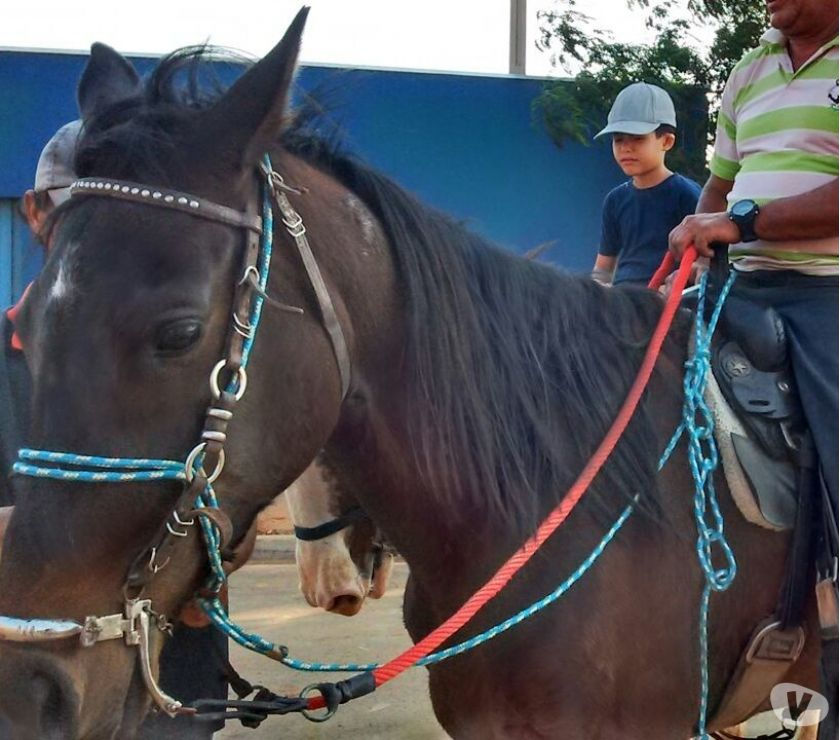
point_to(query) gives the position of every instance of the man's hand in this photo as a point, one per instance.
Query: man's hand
(702, 229)
(700, 266)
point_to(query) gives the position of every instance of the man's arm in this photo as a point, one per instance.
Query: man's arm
(604, 268)
(713, 196)
(809, 215)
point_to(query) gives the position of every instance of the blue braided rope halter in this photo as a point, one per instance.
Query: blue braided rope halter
(96, 469)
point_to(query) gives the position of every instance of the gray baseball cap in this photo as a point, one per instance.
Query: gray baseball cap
(55, 165)
(640, 108)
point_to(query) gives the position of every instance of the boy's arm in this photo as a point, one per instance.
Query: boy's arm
(604, 268)
(610, 246)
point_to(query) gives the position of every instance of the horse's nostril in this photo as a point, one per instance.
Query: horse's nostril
(38, 700)
(346, 604)
(56, 708)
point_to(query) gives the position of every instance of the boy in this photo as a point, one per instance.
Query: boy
(639, 214)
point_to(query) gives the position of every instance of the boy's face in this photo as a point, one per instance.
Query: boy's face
(638, 154)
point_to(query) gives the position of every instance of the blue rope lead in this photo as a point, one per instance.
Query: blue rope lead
(216, 612)
(299, 665)
(698, 424)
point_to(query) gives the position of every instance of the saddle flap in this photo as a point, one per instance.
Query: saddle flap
(773, 482)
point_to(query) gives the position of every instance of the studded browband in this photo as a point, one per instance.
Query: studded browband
(177, 201)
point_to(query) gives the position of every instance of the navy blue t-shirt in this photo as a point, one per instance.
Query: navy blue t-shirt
(635, 224)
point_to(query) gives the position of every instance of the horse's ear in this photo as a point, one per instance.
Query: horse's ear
(246, 122)
(108, 77)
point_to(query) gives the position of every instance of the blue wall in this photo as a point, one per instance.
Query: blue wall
(467, 144)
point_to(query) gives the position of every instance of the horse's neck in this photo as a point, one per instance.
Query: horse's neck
(377, 464)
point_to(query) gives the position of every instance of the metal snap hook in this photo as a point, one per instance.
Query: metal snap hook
(242, 381)
(189, 465)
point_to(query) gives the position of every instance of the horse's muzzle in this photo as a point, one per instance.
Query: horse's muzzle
(37, 697)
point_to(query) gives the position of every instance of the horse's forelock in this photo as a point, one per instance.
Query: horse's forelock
(146, 137)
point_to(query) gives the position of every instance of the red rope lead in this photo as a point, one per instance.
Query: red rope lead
(665, 269)
(435, 638)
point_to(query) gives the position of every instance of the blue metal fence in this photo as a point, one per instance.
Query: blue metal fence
(467, 144)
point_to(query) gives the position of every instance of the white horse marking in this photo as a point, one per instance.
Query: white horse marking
(330, 578)
(62, 286)
(365, 219)
(325, 567)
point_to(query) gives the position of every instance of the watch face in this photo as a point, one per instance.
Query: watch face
(742, 208)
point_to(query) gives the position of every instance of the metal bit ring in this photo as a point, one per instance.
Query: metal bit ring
(214, 381)
(189, 471)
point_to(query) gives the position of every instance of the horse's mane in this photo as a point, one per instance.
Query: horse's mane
(516, 369)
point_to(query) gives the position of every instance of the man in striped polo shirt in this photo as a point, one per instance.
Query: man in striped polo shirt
(773, 196)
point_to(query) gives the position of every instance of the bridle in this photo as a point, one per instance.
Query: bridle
(197, 500)
(328, 528)
(380, 547)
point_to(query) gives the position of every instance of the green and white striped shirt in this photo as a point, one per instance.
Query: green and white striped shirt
(777, 137)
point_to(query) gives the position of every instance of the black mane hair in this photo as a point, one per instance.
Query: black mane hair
(516, 369)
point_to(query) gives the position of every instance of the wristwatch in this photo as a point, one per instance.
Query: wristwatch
(743, 214)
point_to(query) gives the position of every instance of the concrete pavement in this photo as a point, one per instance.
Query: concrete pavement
(265, 599)
(274, 548)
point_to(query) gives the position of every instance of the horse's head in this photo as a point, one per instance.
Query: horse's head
(340, 556)
(122, 330)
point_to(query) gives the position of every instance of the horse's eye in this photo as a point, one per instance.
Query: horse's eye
(178, 336)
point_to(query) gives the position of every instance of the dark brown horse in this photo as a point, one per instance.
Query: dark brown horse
(480, 384)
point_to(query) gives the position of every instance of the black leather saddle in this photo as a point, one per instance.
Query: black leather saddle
(751, 363)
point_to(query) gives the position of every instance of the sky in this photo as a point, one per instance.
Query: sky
(452, 35)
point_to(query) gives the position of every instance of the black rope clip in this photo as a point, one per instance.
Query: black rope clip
(338, 693)
(250, 712)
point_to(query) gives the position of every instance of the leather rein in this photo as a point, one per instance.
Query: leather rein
(134, 624)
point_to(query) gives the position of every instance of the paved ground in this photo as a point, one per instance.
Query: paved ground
(265, 598)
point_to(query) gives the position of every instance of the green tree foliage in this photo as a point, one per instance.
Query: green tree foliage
(575, 110)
